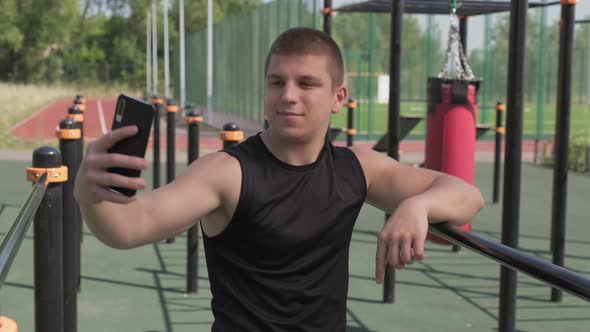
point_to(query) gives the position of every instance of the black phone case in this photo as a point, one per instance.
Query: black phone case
(131, 111)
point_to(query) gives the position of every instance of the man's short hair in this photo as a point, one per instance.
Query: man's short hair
(304, 41)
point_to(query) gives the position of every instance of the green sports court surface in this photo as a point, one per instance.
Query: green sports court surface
(143, 289)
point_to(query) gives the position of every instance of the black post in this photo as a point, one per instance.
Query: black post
(48, 252)
(193, 120)
(157, 102)
(512, 165)
(80, 103)
(231, 135)
(80, 99)
(498, 150)
(76, 112)
(171, 110)
(395, 60)
(350, 131)
(69, 136)
(327, 11)
(562, 133)
(79, 155)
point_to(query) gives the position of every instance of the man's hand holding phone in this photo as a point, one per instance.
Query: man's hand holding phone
(94, 181)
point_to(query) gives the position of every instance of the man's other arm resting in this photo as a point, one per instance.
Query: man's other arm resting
(444, 197)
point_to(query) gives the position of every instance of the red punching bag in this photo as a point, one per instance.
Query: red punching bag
(451, 131)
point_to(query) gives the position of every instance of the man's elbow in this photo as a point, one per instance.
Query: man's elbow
(476, 203)
(479, 202)
(115, 239)
(473, 202)
(118, 242)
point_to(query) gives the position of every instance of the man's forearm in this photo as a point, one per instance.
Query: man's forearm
(451, 199)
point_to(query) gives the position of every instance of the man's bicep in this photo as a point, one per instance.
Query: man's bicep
(199, 190)
(390, 182)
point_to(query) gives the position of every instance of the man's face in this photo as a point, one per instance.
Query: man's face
(300, 95)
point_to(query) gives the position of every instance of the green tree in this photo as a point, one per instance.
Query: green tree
(11, 37)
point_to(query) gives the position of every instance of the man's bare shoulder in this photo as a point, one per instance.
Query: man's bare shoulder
(367, 155)
(217, 166)
(375, 164)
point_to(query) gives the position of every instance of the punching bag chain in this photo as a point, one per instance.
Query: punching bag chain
(455, 65)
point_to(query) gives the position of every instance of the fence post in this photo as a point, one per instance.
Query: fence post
(193, 119)
(48, 236)
(69, 136)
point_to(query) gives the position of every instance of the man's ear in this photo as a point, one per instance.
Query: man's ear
(341, 98)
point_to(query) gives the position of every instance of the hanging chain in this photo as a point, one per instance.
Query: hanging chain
(455, 65)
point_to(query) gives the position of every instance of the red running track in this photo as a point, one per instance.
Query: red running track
(41, 127)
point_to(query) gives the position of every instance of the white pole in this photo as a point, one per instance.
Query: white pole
(166, 59)
(148, 58)
(210, 61)
(182, 73)
(155, 46)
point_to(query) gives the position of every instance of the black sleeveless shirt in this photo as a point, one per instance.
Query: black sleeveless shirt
(281, 264)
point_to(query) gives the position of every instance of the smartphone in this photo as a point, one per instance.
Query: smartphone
(131, 111)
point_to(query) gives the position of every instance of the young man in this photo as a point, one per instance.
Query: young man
(277, 211)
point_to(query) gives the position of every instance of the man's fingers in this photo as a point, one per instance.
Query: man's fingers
(380, 259)
(108, 160)
(406, 251)
(418, 248)
(114, 136)
(106, 179)
(394, 252)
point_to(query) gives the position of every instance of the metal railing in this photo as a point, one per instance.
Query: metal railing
(539, 269)
(16, 234)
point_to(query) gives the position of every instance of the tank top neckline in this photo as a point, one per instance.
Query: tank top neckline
(296, 168)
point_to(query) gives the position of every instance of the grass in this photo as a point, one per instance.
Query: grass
(580, 119)
(18, 101)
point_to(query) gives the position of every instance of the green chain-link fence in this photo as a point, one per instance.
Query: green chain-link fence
(242, 41)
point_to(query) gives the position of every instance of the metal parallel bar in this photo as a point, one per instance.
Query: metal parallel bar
(562, 133)
(328, 17)
(16, 234)
(466, 8)
(556, 276)
(393, 122)
(513, 158)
